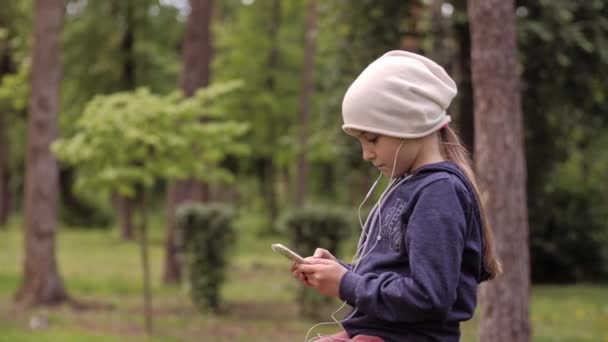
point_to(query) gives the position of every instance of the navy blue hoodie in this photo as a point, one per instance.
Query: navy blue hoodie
(420, 279)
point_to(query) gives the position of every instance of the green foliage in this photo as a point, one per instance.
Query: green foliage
(14, 90)
(269, 98)
(14, 94)
(208, 237)
(16, 28)
(347, 39)
(15, 41)
(136, 138)
(564, 49)
(564, 57)
(94, 54)
(89, 215)
(564, 53)
(262, 43)
(309, 228)
(351, 35)
(571, 245)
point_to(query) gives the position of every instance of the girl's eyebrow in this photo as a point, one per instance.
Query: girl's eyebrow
(368, 134)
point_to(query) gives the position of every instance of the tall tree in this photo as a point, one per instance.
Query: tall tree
(196, 54)
(305, 100)
(269, 59)
(266, 167)
(135, 121)
(500, 162)
(125, 205)
(6, 67)
(451, 47)
(138, 49)
(41, 282)
(4, 173)
(463, 109)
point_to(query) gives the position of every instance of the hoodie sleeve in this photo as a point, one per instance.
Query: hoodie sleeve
(434, 239)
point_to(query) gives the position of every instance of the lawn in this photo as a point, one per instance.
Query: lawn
(259, 297)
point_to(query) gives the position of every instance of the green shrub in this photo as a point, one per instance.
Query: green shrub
(207, 235)
(571, 245)
(569, 222)
(87, 215)
(309, 228)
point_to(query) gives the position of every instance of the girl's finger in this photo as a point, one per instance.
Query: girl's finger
(310, 260)
(307, 268)
(310, 282)
(318, 266)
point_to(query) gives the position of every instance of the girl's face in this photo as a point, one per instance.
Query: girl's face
(381, 150)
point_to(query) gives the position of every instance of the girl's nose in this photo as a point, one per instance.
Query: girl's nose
(368, 155)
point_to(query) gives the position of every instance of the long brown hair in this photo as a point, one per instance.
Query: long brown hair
(453, 150)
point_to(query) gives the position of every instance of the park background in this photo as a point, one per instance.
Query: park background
(86, 83)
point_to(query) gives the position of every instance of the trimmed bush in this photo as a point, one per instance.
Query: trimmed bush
(86, 215)
(207, 236)
(309, 228)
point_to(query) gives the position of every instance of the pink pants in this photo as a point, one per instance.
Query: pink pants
(342, 336)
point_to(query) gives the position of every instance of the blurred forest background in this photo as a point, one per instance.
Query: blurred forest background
(153, 104)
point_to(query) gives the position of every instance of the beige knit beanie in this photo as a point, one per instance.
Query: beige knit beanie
(401, 94)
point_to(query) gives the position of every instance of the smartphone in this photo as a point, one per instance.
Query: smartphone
(295, 257)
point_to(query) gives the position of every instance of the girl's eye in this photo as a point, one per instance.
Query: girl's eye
(372, 138)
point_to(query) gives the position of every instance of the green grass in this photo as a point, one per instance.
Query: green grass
(259, 297)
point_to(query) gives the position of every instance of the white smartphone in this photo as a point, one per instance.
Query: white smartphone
(295, 257)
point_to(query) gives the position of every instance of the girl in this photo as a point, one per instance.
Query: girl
(426, 244)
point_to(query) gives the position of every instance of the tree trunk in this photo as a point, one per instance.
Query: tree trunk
(411, 41)
(305, 100)
(123, 205)
(452, 49)
(145, 259)
(501, 166)
(41, 282)
(463, 107)
(124, 211)
(440, 50)
(265, 164)
(172, 273)
(268, 177)
(4, 172)
(196, 73)
(6, 67)
(127, 47)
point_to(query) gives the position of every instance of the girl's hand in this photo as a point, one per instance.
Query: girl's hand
(323, 275)
(320, 253)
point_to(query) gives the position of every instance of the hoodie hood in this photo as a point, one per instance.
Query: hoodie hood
(453, 169)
